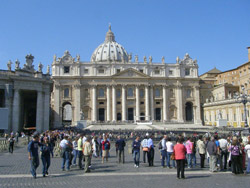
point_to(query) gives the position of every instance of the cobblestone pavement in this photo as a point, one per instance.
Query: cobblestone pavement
(14, 172)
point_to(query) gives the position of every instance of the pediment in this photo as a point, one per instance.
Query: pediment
(130, 73)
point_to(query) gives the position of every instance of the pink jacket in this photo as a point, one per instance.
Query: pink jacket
(189, 146)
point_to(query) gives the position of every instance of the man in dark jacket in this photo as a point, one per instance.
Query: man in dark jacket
(120, 144)
(212, 151)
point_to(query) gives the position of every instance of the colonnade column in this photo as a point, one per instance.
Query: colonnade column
(179, 103)
(77, 102)
(46, 110)
(137, 101)
(16, 111)
(164, 93)
(147, 118)
(198, 109)
(108, 103)
(39, 112)
(152, 102)
(57, 113)
(124, 109)
(113, 103)
(94, 119)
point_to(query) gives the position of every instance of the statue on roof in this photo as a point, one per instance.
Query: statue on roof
(48, 70)
(150, 59)
(163, 60)
(29, 63)
(136, 58)
(145, 59)
(17, 64)
(9, 65)
(40, 67)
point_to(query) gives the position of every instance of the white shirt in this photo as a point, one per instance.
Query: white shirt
(63, 143)
(170, 146)
(223, 144)
(247, 149)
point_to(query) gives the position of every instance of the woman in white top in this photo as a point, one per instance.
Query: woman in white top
(247, 150)
(170, 150)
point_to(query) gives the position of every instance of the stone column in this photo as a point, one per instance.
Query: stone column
(179, 104)
(108, 103)
(164, 106)
(124, 108)
(77, 102)
(16, 111)
(94, 111)
(57, 113)
(39, 111)
(147, 118)
(113, 104)
(152, 102)
(46, 107)
(197, 119)
(137, 101)
(8, 100)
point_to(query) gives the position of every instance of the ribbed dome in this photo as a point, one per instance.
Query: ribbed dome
(110, 50)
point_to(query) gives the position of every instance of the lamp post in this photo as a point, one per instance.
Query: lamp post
(244, 99)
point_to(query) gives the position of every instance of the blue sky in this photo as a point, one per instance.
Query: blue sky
(215, 32)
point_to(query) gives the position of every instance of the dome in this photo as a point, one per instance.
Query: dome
(110, 50)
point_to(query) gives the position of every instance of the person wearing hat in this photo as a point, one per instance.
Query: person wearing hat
(33, 153)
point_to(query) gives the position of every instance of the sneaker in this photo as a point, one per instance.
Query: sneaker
(47, 173)
(44, 175)
(135, 165)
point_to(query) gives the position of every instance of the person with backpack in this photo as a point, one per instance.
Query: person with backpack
(105, 149)
(120, 144)
(144, 145)
(11, 141)
(163, 148)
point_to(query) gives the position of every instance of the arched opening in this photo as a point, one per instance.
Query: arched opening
(67, 112)
(119, 117)
(189, 111)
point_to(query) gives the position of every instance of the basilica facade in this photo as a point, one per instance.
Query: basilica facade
(113, 88)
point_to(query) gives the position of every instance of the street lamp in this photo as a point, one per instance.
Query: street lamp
(244, 98)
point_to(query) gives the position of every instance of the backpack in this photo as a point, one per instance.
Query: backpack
(11, 140)
(106, 146)
(160, 145)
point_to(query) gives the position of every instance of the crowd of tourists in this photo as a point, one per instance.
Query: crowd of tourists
(219, 152)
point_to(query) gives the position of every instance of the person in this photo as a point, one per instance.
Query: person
(64, 145)
(180, 155)
(247, 150)
(144, 145)
(87, 152)
(11, 141)
(70, 150)
(151, 151)
(224, 153)
(79, 148)
(193, 140)
(95, 146)
(105, 149)
(33, 153)
(45, 155)
(170, 150)
(212, 150)
(163, 150)
(189, 148)
(120, 144)
(235, 157)
(17, 136)
(75, 150)
(202, 151)
(136, 151)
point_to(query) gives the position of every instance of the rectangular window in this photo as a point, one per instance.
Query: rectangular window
(141, 70)
(157, 71)
(142, 102)
(187, 72)
(101, 102)
(158, 102)
(101, 71)
(170, 72)
(118, 70)
(86, 71)
(66, 69)
(118, 102)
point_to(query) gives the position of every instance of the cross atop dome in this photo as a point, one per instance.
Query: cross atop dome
(110, 37)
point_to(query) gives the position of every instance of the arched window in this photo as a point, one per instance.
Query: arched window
(67, 112)
(101, 92)
(66, 93)
(141, 93)
(157, 92)
(130, 92)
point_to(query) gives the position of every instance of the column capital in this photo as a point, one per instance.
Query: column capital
(151, 85)
(77, 86)
(93, 86)
(124, 85)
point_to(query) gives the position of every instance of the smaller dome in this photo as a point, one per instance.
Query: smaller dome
(110, 50)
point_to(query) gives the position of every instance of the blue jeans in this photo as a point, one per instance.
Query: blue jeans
(75, 153)
(194, 158)
(189, 159)
(34, 164)
(169, 158)
(163, 157)
(46, 163)
(136, 156)
(65, 159)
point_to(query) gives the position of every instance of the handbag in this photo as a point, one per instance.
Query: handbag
(172, 156)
